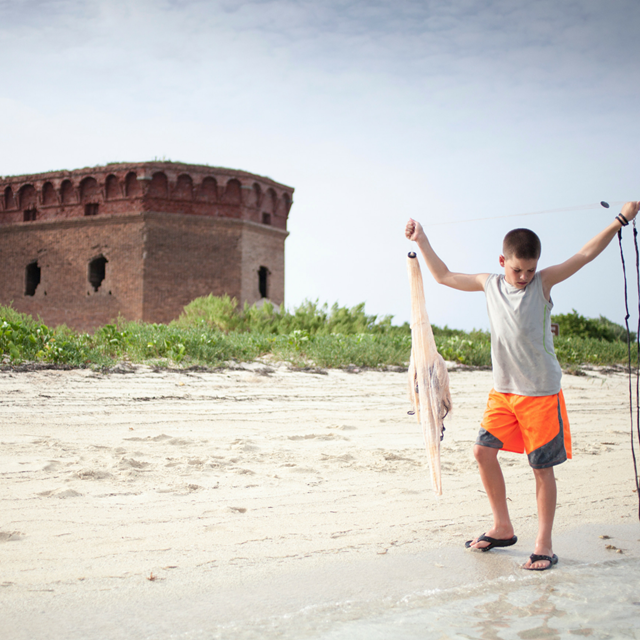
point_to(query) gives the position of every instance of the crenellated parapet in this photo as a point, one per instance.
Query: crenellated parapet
(129, 188)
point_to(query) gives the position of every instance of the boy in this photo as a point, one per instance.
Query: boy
(525, 410)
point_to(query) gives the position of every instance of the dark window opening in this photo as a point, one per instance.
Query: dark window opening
(91, 209)
(266, 218)
(263, 282)
(97, 270)
(30, 215)
(32, 278)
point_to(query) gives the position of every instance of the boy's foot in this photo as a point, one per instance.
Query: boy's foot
(539, 562)
(491, 542)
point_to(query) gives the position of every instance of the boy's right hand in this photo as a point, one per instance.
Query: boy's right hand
(413, 230)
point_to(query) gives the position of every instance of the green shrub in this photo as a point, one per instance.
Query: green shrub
(339, 350)
(24, 339)
(212, 311)
(616, 330)
(212, 331)
(223, 314)
(472, 349)
(20, 339)
(575, 325)
(574, 350)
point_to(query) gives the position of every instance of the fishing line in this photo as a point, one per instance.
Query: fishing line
(529, 213)
(636, 426)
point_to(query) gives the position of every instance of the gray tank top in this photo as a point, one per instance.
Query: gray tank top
(522, 354)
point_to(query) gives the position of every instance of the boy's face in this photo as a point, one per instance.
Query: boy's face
(518, 272)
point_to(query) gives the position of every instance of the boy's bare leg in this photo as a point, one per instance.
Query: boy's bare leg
(493, 482)
(546, 495)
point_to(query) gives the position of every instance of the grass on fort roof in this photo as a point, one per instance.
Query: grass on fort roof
(215, 331)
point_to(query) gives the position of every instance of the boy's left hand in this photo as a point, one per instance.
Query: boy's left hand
(630, 210)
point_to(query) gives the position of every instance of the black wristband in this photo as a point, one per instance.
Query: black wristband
(622, 220)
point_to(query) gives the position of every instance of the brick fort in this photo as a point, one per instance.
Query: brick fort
(140, 240)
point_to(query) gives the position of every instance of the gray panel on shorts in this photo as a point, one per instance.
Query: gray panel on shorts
(485, 439)
(552, 453)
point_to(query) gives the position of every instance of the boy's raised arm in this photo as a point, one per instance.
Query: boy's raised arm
(439, 270)
(559, 272)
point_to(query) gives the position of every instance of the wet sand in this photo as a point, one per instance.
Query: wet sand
(130, 502)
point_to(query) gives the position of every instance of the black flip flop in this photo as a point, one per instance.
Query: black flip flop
(493, 542)
(534, 557)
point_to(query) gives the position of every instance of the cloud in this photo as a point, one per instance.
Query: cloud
(444, 62)
(434, 37)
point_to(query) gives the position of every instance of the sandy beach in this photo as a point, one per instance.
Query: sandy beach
(172, 504)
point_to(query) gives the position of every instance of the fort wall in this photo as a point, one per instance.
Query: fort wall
(61, 255)
(139, 240)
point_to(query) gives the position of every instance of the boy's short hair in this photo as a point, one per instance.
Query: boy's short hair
(521, 243)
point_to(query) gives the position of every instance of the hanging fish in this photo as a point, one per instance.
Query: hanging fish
(428, 376)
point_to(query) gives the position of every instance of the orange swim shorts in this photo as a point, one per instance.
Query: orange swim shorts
(535, 424)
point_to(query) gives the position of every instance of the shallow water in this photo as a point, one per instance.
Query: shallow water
(596, 601)
(601, 601)
(439, 594)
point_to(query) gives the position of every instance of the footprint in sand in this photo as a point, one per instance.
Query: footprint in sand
(347, 457)
(395, 457)
(160, 438)
(181, 490)
(316, 436)
(246, 472)
(11, 536)
(244, 445)
(91, 474)
(60, 493)
(132, 463)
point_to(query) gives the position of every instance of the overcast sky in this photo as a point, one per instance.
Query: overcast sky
(373, 110)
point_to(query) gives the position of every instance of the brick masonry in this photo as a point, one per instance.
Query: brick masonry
(168, 232)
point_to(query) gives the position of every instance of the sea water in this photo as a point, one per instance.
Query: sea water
(439, 594)
(600, 600)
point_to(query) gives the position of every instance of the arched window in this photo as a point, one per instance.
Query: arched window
(253, 198)
(209, 190)
(48, 195)
(284, 204)
(132, 186)
(232, 192)
(27, 197)
(112, 188)
(9, 200)
(184, 188)
(89, 190)
(89, 195)
(269, 204)
(66, 192)
(97, 271)
(159, 187)
(32, 278)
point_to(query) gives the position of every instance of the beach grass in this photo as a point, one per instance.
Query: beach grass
(212, 332)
